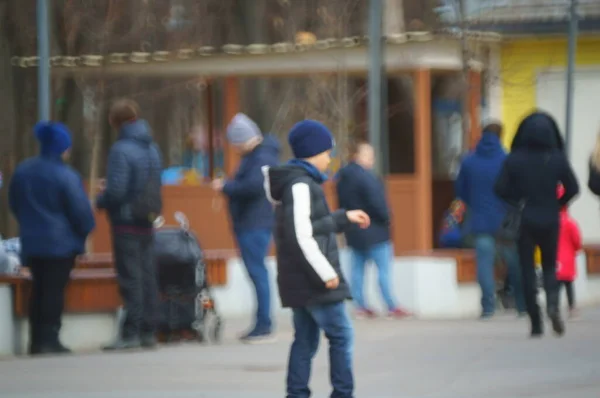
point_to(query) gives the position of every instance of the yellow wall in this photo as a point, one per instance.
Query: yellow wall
(522, 60)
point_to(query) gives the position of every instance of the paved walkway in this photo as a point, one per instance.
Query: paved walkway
(408, 359)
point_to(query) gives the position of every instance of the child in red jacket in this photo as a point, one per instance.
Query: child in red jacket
(569, 243)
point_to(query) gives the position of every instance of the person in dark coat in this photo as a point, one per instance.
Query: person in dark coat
(309, 277)
(55, 218)
(529, 178)
(133, 180)
(359, 188)
(252, 214)
(475, 187)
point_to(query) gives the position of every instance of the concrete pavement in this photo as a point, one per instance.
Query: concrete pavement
(394, 359)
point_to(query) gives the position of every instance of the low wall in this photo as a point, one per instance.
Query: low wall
(431, 286)
(428, 286)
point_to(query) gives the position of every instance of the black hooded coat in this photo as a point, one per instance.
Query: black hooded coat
(532, 171)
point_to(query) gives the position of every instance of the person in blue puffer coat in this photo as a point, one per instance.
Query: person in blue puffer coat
(475, 186)
(55, 217)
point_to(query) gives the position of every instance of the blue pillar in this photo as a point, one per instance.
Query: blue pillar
(43, 44)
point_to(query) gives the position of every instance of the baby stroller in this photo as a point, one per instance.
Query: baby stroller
(187, 309)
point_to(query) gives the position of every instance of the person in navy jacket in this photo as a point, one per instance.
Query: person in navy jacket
(359, 188)
(475, 186)
(133, 180)
(55, 218)
(251, 213)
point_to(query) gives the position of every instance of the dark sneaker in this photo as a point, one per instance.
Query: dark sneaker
(537, 333)
(259, 336)
(124, 344)
(149, 341)
(486, 316)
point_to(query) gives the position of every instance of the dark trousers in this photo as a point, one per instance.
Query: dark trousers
(138, 284)
(49, 280)
(570, 292)
(547, 240)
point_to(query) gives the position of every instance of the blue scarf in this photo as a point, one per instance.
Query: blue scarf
(312, 170)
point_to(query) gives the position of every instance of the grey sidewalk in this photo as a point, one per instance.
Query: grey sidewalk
(406, 359)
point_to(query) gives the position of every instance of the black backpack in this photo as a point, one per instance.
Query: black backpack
(147, 204)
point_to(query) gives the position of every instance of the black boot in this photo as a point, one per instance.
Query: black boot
(537, 326)
(48, 342)
(537, 329)
(56, 348)
(557, 323)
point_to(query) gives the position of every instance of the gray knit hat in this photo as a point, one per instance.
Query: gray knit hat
(242, 129)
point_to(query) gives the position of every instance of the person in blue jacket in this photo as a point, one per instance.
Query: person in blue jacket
(251, 213)
(55, 218)
(359, 188)
(475, 186)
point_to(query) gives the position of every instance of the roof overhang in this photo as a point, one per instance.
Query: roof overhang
(589, 25)
(425, 52)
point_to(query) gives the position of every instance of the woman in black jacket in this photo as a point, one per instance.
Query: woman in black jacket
(536, 165)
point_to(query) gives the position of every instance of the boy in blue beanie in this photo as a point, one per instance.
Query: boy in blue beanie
(55, 217)
(309, 277)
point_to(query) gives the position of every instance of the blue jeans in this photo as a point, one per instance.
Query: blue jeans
(254, 246)
(308, 322)
(382, 255)
(485, 252)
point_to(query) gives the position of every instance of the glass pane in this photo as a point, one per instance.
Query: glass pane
(400, 123)
(447, 132)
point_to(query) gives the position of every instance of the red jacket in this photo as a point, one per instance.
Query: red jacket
(569, 243)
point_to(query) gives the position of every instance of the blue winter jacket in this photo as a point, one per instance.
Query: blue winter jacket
(131, 161)
(475, 186)
(360, 189)
(48, 200)
(249, 207)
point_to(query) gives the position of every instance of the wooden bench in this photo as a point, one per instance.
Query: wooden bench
(93, 286)
(89, 291)
(466, 264)
(592, 256)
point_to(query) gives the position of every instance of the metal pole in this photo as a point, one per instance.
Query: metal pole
(573, 33)
(43, 44)
(375, 80)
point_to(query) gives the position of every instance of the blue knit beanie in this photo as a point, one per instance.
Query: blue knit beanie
(309, 138)
(54, 138)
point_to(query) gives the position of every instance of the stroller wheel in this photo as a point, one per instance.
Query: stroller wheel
(217, 332)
